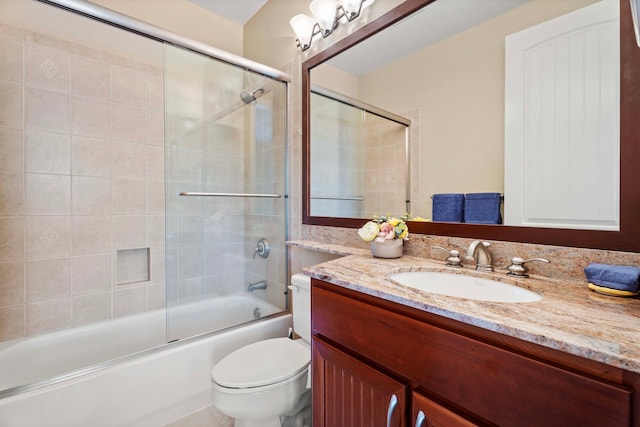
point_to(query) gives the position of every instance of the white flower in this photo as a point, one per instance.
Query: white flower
(369, 231)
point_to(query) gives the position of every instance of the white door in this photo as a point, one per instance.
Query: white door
(562, 112)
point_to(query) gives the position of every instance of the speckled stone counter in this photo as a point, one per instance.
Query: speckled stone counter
(569, 317)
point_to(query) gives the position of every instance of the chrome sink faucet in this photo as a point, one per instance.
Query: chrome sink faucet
(479, 253)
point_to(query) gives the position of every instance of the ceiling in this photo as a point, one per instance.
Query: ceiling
(239, 11)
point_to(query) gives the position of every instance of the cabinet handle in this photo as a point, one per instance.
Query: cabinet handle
(393, 402)
(420, 419)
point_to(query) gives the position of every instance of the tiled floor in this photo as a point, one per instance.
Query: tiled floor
(207, 417)
(211, 417)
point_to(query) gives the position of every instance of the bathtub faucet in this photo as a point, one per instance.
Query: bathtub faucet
(258, 285)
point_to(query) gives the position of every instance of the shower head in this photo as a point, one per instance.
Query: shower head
(248, 97)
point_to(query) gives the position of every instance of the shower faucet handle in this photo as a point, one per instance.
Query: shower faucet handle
(262, 248)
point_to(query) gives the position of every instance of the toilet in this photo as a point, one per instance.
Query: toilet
(259, 383)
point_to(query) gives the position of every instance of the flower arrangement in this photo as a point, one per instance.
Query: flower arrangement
(383, 228)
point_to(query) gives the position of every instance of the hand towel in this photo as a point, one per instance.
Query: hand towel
(622, 278)
(482, 208)
(447, 207)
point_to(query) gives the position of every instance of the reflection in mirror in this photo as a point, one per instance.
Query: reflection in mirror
(447, 61)
(358, 159)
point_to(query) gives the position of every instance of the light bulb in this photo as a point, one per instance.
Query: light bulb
(303, 27)
(324, 11)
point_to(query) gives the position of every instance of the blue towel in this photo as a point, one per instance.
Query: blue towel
(447, 207)
(618, 277)
(482, 208)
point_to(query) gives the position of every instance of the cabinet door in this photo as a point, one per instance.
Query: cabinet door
(427, 413)
(349, 393)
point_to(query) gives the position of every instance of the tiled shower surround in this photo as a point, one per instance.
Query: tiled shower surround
(82, 165)
(82, 184)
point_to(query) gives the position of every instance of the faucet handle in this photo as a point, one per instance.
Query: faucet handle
(518, 269)
(454, 256)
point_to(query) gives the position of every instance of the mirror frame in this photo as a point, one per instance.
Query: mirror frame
(626, 239)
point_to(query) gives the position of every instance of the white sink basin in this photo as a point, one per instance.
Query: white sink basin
(462, 286)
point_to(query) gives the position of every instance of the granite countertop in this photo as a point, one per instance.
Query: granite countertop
(569, 317)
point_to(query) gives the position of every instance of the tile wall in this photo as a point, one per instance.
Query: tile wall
(81, 177)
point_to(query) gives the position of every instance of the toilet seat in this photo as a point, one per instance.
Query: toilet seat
(262, 363)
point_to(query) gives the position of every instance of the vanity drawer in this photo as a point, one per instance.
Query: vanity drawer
(489, 382)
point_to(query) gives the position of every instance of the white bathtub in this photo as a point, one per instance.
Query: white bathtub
(151, 389)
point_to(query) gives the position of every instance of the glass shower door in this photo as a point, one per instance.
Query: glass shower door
(225, 147)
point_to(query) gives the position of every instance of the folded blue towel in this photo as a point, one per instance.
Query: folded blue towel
(482, 208)
(618, 277)
(447, 207)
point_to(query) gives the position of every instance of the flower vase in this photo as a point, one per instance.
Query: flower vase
(387, 249)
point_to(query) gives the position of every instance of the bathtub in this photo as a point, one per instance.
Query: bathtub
(151, 388)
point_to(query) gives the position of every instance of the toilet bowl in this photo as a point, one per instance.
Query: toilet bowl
(260, 382)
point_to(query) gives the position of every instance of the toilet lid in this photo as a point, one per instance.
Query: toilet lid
(262, 363)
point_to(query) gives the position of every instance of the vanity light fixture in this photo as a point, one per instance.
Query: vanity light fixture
(635, 13)
(326, 16)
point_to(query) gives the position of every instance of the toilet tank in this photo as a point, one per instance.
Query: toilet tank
(301, 302)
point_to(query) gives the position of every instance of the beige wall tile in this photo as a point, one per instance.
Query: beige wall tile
(46, 110)
(48, 194)
(11, 54)
(46, 67)
(89, 117)
(90, 157)
(191, 230)
(47, 236)
(185, 165)
(155, 90)
(91, 308)
(128, 86)
(11, 323)
(155, 128)
(155, 231)
(91, 274)
(45, 40)
(191, 262)
(48, 279)
(155, 198)
(129, 232)
(156, 297)
(129, 197)
(89, 78)
(11, 150)
(47, 152)
(11, 106)
(11, 194)
(11, 239)
(129, 301)
(91, 196)
(129, 160)
(127, 124)
(11, 283)
(48, 316)
(91, 235)
(158, 265)
(155, 163)
(190, 289)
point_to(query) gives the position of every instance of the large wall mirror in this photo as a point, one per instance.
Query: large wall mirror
(456, 101)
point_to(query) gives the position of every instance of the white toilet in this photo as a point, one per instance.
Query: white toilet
(259, 383)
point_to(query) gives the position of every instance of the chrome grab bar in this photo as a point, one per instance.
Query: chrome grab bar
(393, 402)
(420, 419)
(356, 198)
(262, 196)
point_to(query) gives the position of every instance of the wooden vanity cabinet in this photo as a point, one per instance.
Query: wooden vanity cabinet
(366, 350)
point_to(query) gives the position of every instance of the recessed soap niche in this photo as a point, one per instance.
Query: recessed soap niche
(132, 266)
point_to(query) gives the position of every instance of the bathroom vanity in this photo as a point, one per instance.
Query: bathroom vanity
(387, 355)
